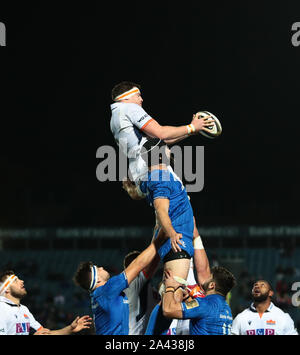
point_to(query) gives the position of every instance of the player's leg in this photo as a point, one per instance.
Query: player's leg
(179, 267)
(179, 263)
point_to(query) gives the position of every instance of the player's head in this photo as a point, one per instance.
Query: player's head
(155, 152)
(127, 92)
(221, 281)
(130, 257)
(261, 291)
(90, 276)
(11, 286)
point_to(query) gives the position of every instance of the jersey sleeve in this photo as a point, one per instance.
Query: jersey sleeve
(138, 116)
(114, 286)
(34, 324)
(196, 308)
(289, 327)
(236, 326)
(159, 185)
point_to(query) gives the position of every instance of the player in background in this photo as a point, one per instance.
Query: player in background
(263, 317)
(210, 315)
(142, 296)
(132, 126)
(16, 319)
(109, 303)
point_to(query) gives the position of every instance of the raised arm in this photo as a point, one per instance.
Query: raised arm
(150, 269)
(144, 259)
(172, 134)
(201, 261)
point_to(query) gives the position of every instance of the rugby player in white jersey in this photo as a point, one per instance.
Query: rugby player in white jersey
(263, 317)
(131, 126)
(16, 319)
(142, 296)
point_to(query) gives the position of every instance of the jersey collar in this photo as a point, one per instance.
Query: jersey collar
(253, 309)
(115, 105)
(6, 300)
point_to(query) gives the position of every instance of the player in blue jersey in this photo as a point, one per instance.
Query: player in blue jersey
(210, 315)
(109, 303)
(165, 192)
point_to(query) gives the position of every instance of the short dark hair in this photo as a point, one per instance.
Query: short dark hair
(83, 274)
(153, 152)
(130, 257)
(223, 279)
(123, 87)
(5, 274)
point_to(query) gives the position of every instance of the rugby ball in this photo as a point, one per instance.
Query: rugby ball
(215, 129)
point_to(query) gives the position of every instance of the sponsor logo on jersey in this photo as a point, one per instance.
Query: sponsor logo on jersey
(143, 117)
(192, 304)
(271, 322)
(270, 332)
(260, 331)
(171, 331)
(22, 328)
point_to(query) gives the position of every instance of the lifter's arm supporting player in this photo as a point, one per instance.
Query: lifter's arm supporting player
(200, 258)
(172, 297)
(145, 258)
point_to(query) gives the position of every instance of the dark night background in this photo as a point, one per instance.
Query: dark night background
(233, 59)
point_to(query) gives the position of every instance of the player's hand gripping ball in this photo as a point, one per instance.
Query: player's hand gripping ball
(215, 129)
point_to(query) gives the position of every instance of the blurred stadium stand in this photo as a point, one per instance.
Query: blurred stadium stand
(46, 260)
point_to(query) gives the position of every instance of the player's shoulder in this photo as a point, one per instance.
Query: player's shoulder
(24, 308)
(3, 306)
(116, 278)
(278, 311)
(131, 107)
(6, 304)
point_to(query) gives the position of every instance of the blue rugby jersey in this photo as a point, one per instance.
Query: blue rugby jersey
(165, 184)
(210, 315)
(110, 307)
